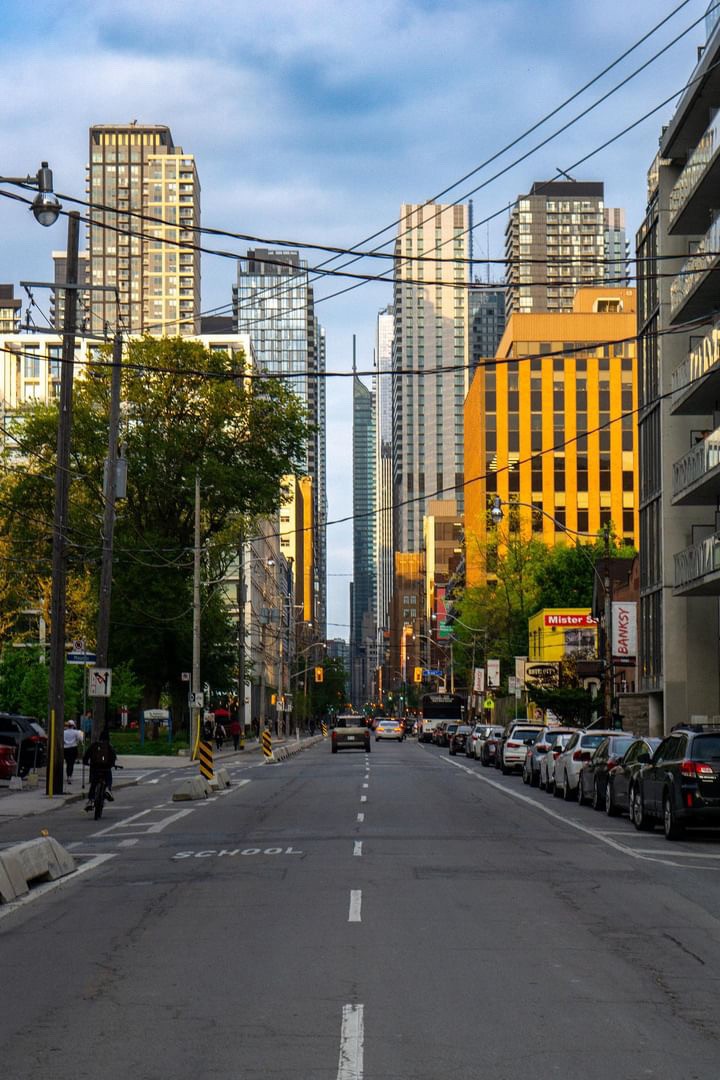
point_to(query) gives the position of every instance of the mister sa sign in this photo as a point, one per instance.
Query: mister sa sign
(624, 630)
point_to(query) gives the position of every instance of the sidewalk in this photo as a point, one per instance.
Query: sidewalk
(32, 801)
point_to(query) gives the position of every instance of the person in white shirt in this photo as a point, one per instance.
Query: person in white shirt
(72, 741)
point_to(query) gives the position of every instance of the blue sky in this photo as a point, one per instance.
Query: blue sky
(315, 120)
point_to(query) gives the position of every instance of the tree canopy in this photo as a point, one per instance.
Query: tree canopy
(185, 411)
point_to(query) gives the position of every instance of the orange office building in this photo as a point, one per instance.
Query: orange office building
(551, 425)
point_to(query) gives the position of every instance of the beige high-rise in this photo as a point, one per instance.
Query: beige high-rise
(137, 169)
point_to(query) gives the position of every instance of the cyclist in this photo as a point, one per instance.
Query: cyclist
(100, 756)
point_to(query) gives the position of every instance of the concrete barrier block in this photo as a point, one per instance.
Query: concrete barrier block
(16, 783)
(222, 777)
(12, 878)
(195, 787)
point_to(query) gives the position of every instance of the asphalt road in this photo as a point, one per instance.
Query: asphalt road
(397, 916)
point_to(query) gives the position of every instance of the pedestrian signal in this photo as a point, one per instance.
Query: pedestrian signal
(319, 674)
(417, 674)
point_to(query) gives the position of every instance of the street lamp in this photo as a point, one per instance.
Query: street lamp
(45, 205)
(496, 515)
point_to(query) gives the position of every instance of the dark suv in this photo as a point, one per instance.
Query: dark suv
(28, 738)
(680, 784)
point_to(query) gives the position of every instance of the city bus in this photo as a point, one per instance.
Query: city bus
(437, 707)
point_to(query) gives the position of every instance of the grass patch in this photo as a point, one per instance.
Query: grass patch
(128, 742)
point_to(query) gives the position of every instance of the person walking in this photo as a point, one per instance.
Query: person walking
(234, 730)
(72, 741)
(220, 734)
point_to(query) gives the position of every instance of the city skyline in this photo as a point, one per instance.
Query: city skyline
(249, 186)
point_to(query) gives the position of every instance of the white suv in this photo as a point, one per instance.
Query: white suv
(568, 765)
(514, 749)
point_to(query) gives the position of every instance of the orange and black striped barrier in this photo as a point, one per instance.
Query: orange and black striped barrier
(267, 743)
(205, 755)
(324, 730)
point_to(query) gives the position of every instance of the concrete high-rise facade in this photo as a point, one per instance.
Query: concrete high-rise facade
(554, 243)
(617, 251)
(383, 475)
(136, 169)
(679, 420)
(431, 344)
(362, 614)
(273, 303)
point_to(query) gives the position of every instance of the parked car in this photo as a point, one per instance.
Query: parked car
(486, 748)
(547, 738)
(579, 749)
(26, 735)
(445, 731)
(514, 748)
(593, 777)
(680, 785)
(620, 778)
(459, 738)
(8, 762)
(561, 738)
(390, 729)
(476, 733)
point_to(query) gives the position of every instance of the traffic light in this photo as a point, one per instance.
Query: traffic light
(319, 674)
(417, 674)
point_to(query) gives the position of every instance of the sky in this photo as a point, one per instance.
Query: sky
(313, 120)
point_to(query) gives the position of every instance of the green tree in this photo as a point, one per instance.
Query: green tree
(185, 411)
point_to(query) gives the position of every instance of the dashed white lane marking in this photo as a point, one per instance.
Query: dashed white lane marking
(129, 842)
(634, 853)
(681, 854)
(366, 785)
(352, 1043)
(361, 817)
(355, 905)
(59, 883)
(357, 847)
(363, 798)
(156, 781)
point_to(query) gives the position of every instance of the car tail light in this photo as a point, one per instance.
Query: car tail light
(514, 745)
(36, 738)
(612, 762)
(557, 751)
(581, 755)
(689, 799)
(696, 769)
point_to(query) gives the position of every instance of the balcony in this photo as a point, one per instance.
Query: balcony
(694, 292)
(696, 477)
(696, 382)
(697, 569)
(695, 192)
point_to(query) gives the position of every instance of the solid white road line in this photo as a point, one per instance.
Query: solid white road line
(41, 890)
(357, 847)
(352, 1043)
(634, 853)
(361, 817)
(355, 905)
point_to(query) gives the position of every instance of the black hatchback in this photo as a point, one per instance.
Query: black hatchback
(680, 784)
(28, 738)
(458, 739)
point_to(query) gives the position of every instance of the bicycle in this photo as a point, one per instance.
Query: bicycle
(99, 800)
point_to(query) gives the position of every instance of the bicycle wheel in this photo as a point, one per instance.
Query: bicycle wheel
(99, 798)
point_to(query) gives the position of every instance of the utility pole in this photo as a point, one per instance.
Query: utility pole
(608, 635)
(241, 634)
(196, 711)
(100, 704)
(56, 696)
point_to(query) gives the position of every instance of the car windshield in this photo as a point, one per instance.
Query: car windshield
(704, 747)
(554, 737)
(619, 746)
(37, 728)
(524, 733)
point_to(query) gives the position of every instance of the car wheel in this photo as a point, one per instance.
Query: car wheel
(334, 749)
(451, 752)
(525, 777)
(671, 826)
(567, 793)
(534, 778)
(596, 800)
(580, 793)
(541, 782)
(557, 790)
(640, 819)
(610, 808)
(504, 769)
